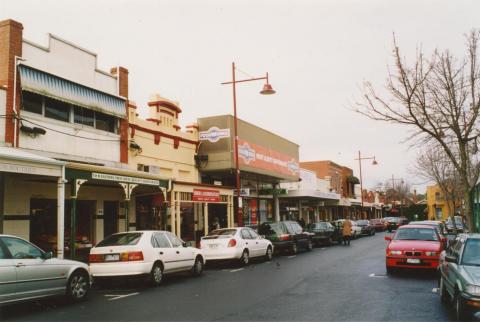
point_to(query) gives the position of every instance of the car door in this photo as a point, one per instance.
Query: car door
(8, 275)
(451, 269)
(258, 244)
(36, 275)
(302, 236)
(247, 241)
(185, 255)
(164, 252)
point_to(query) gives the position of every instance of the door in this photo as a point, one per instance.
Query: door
(184, 255)
(258, 244)
(110, 218)
(248, 242)
(165, 252)
(36, 276)
(8, 275)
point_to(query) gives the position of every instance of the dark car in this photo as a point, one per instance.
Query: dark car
(394, 222)
(323, 233)
(367, 228)
(459, 224)
(379, 224)
(287, 236)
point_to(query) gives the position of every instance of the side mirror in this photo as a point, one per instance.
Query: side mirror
(389, 238)
(48, 255)
(184, 244)
(451, 259)
(262, 236)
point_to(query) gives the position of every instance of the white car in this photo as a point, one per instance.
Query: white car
(240, 243)
(356, 230)
(143, 253)
(28, 273)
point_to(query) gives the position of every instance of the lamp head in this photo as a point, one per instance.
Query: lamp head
(267, 89)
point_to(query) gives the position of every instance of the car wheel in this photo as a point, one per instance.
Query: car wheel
(245, 259)
(294, 249)
(443, 291)
(197, 268)
(461, 312)
(78, 285)
(156, 275)
(269, 254)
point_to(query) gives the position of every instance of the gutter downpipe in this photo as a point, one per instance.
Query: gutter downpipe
(61, 214)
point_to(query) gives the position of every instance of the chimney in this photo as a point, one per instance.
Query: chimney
(122, 78)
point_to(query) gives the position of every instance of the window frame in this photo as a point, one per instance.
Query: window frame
(42, 253)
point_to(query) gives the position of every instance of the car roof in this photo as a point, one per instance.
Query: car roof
(415, 226)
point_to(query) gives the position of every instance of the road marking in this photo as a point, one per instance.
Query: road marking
(237, 270)
(377, 276)
(435, 290)
(323, 248)
(117, 296)
(293, 256)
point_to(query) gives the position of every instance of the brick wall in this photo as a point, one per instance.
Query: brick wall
(123, 91)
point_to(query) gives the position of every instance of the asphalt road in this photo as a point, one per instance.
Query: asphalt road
(337, 283)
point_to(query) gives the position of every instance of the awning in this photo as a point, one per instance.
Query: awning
(36, 81)
(16, 160)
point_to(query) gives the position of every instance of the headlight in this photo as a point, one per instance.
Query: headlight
(431, 253)
(472, 289)
(395, 252)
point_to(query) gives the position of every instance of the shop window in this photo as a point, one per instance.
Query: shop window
(105, 122)
(57, 110)
(32, 102)
(83, 116)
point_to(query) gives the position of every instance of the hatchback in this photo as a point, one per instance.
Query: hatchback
(287, 236)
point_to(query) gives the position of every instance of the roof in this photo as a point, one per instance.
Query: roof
(416, 226)
(21, 155)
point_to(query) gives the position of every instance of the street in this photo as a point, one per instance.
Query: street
(336, 283)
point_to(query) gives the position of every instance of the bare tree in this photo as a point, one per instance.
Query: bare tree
(438, 98)
(397, 193)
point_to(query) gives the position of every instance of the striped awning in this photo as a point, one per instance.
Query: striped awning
(34, 80)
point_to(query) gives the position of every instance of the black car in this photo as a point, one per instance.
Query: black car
(459, 224)
(324, 233)
(394, 222)
(287, 236)
(367, 228)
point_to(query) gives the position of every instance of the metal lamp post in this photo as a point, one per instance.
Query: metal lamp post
(267, 90)
(360, 158)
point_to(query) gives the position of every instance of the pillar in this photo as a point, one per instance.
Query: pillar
(276, 206)
(60, 217)
(172, 211)
(177, 213)
(205, 218)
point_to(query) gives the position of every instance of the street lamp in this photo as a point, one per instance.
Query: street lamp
(374, 162)
(267, 90)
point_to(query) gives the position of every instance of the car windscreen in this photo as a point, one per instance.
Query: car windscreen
(320, 225)
(416, 234)
(362, 222)
(126, 239)
(222, 232)
(271, 229)
(471, 253)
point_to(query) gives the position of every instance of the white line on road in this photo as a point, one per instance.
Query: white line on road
(117, 296)
(293, 256)
(435, 290)
(237, 270)
(375, 275)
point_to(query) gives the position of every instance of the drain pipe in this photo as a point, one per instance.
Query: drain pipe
(61, 213)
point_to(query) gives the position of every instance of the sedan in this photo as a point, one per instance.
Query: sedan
(414, 246)
(238, 244)
(28, 273)
(323, 233)
(147, 254)
(366, 228)
(379, 224)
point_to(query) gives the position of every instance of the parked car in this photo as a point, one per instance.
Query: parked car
(148, 254)
(287, 236)
(238, 244)
(459, 224)
(355, 231)
(413, 247)
(379, 224)
(323, 233)
(366, 227)
(394, 222)
(29, 273)
(459, 281)
(440, 226)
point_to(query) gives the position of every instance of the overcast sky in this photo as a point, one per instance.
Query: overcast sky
(317, 54)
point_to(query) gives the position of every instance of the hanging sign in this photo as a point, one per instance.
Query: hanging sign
(207, 195)
(214, 134)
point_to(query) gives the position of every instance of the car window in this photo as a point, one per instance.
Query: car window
(416, 234)
(253, 233)
(123, 239)
(222, 232)
(246, 234)
(176, 242)
(271, 229)
(21, 249)
(289, 228)
(3, 253)
(297, 228)
(161, 241)
(471, 253)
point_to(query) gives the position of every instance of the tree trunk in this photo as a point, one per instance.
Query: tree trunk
(469, 211)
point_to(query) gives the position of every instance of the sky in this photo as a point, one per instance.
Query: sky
(317, 53)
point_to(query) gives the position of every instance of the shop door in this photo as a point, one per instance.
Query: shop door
(110, 218)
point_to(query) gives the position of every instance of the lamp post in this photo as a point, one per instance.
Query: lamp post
(360, 158)
(267, 90)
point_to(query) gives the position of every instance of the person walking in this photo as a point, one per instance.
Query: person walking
(347, 231)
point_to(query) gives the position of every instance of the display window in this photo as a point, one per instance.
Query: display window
(150, 212)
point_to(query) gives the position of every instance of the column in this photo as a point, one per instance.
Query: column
(172, 211)
(73, 226)
(127, 208)
(177, 213)
(276, 206)
(205, 218)
(60, 217)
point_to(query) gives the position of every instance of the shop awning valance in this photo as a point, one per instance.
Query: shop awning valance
(36, 81)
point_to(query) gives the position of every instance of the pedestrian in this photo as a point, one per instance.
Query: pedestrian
(301, 221)
(347, 231)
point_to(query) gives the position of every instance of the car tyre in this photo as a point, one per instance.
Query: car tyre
(197, 268)
(156, 275)
(269, 254)
(443, 291)
(294, 248)
(309, 245)
(245, 259)
(78, 285)
(461, 310)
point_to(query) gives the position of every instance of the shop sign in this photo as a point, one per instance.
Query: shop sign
(244, 192)
(256, 156)
(214, 134)
(25, 169)
(117, 178)
(207, 195)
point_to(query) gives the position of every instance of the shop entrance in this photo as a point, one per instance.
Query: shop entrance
(217, 216)
(110, 217)
(150, 212)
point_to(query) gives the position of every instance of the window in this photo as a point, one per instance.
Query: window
(105, 122)
(297, 228)
(32, 102)
(143, 167)
(57, 110)
(121, 240)
(3, 255)
(253, 233)
(83, 116)
(175, 241)
(162, 241)
(21, 249)
(246, 234)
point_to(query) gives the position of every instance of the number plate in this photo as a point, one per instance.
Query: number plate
(112, 257)
(413, 260)
(213, 245)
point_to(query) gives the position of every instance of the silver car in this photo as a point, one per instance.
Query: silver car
(28, 273)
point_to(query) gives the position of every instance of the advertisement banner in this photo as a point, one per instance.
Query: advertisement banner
(206, 195)
(214, 134)
(256, 156)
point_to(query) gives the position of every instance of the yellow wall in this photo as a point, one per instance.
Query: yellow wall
(437, 201)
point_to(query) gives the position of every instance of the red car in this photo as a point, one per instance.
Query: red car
(379, 224)
(414, 246)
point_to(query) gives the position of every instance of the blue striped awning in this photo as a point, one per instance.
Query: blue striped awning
(34, 80)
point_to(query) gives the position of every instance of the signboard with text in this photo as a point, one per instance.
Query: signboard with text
(214, 134)
(206, 195)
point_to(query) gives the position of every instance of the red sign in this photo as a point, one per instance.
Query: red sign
(207, 195)
(256, 156)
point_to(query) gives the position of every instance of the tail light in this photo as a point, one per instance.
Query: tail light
(131, 256)
(232, 243)
(284, 237)
(95, 258)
